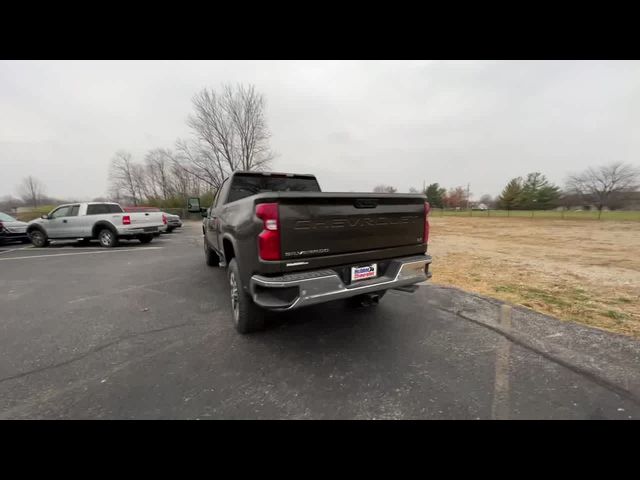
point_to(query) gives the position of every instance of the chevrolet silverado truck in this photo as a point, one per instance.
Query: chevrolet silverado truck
(287, 245)
(106, 222)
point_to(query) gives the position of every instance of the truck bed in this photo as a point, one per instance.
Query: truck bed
(321, 230)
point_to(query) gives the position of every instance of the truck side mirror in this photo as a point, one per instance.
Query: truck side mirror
(194, 205)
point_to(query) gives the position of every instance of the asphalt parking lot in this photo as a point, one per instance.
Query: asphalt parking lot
(144, 331)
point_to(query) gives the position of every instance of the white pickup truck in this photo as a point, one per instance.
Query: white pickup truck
(106, 222)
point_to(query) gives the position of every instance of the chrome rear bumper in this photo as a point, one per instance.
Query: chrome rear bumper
(300, 289)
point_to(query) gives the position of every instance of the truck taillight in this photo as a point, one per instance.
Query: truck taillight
(425, 235)
(269, 238)
(164, 219)
(126, 220)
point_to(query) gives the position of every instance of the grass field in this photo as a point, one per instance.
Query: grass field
(35, 213)
(587, 272)
(548, 214)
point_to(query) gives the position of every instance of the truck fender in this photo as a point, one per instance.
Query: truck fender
(100, 225)
(228, 238)
(36, 226)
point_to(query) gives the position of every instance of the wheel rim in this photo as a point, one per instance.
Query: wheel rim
(36, 238)
(105, 238)
(235, 296)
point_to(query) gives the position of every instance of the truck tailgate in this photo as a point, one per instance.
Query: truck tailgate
(328, 224)
(146, 219)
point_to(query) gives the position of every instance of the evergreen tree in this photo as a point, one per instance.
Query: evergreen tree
(435, 195)
(538, 193)
(511, 195)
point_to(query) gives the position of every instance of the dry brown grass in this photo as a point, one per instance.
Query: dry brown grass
(584, 271)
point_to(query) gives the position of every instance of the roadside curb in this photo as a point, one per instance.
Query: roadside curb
(608, 359)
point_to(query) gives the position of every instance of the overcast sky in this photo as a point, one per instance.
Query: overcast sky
(353, 124)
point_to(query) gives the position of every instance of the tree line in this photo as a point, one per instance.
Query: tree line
(228, 132)
(608, 186)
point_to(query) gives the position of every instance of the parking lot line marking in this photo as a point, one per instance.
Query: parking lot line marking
(82, 253)
(14, 250)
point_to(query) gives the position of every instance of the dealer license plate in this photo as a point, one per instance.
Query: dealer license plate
(362, 273)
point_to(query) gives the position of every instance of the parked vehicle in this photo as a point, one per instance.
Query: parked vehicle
(106, 222)
(173, 222)
(286, 244)
(131, 209)
(12, 230)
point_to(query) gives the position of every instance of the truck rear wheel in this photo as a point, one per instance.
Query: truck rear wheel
(107, 238)
(247, 316)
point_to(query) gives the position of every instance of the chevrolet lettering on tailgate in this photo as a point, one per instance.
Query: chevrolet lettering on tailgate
(354, 222)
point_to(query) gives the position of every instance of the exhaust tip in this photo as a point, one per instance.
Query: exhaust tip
(369, 299)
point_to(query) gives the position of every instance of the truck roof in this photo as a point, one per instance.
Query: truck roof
(270, 174)
(86, 203)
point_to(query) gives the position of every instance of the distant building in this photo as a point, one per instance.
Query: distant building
(479, 206)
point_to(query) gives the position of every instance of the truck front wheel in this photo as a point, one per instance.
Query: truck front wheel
(247, 316)
(39, 238)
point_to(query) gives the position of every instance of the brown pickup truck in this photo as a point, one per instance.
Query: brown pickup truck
(287, 245)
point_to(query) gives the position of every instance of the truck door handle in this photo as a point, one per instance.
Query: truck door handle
(64, 221)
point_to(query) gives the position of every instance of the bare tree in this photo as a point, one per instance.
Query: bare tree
(456, 198)
(487, 200)
(157, 175)
(198, 161)
(229, 133)
(384, 189)
(183, 183)
(599, 185)
(124, 177)
(246, 109)
(142, 184)
(31, 190)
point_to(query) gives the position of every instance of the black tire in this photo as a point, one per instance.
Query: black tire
(107, 238)
(39, 238)
(210, 256)
(169, 230)
(247, 316)
(361, 300)
(145, 238)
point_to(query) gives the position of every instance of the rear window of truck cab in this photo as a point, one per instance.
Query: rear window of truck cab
(101, 208)
(246, 185)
